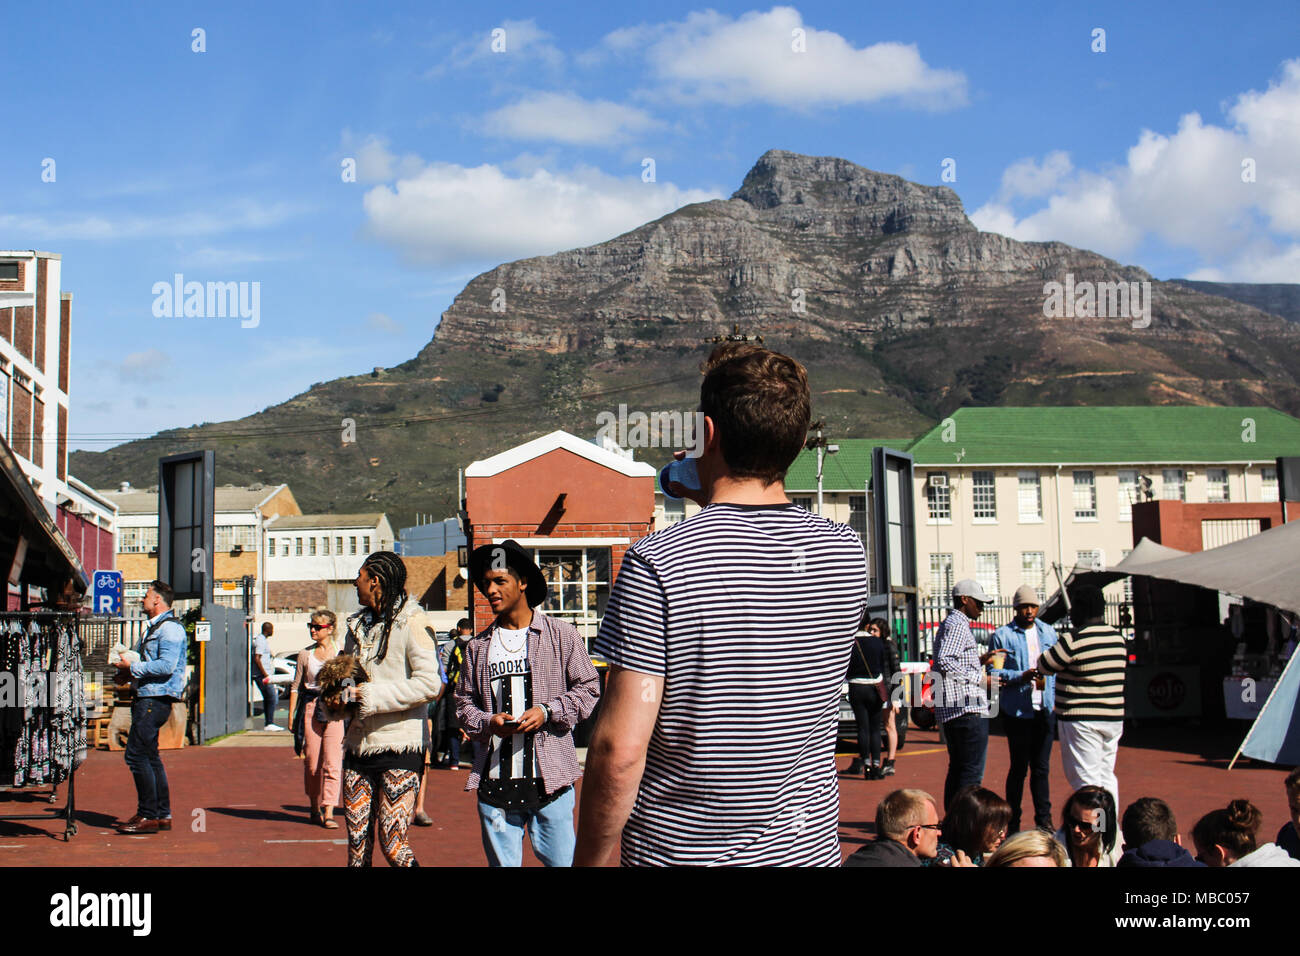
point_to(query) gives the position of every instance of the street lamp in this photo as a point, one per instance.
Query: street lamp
(823, 449)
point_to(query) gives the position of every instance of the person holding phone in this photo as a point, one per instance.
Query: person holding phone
(526, 683)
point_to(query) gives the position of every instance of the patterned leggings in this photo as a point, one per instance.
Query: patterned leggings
(385, 800)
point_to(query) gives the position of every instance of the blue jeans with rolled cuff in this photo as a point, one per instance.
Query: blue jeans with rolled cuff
(550, 830)
(148, 716)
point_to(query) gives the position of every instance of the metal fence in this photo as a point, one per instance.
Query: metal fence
(930, 616)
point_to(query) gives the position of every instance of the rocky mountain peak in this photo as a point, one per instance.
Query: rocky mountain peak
(840, 188)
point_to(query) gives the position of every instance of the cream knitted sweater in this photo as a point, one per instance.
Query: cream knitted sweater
(393, 703)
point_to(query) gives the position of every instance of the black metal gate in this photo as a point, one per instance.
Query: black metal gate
(223, 705)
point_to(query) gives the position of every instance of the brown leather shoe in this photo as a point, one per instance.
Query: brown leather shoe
(165, 823)
(130, 823)
(144, 826)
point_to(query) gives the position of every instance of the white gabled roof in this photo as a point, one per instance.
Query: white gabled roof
(488, 467)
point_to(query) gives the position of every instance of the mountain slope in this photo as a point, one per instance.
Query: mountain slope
(899, 306)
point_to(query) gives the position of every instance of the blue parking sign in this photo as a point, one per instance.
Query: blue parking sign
(106, 593)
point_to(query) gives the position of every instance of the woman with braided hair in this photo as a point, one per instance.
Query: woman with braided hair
(393, 640)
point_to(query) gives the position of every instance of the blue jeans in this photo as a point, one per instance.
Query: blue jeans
(967, 738)
(550, 830)
(148, 716)
(270, 699)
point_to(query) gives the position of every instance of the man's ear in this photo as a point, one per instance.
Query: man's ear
(1178, 838)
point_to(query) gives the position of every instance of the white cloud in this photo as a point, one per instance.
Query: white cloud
(525, 44)
(568, 118)
(383, 323)
(375, 162)
(457, 215)
(1185, 188)
(137, 363)
(232, 216)
(712, 57)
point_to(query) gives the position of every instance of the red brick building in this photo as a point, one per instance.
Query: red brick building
(574, 505)
(1192, 526)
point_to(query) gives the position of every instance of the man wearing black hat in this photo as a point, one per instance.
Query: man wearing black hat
(526, 683)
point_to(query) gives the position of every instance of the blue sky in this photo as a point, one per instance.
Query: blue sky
(227, 164)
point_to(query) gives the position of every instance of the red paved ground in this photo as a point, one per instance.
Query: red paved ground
(255, 811)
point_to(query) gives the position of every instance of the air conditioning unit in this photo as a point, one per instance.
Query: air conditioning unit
(938, 481)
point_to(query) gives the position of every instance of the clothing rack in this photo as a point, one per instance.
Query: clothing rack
(68, 812)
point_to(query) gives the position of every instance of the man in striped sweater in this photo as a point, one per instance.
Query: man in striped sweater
(1089, 666)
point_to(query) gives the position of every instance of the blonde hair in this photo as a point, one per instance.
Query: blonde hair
(1026, 844)
(324, 614)
(900, 811)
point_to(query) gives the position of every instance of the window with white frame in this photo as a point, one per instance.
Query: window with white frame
(804, 503)
(325, 545)
(270, 547)
(1268, 483)
(352, 544)
(1029, 496)
(1089, 558)
(297, 547)
(365, 545)
(577, 585)
(284, 547)
(1085, 496)
(1173, 484)
(941, 580)
(1033, 571)
(230, 537)
(1128, 492)
(858, 515)
(986, 573)
(137, 540)
(311, 546)
(674, 510)
(338, 546)
(984, 496)
(1216, 484)
(937, 496)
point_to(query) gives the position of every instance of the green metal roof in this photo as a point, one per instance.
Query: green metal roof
(846, 470)
(1172, 434)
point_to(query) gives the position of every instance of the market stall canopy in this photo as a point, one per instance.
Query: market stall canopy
(49, 560)
(1262, 567)
(1147, 553)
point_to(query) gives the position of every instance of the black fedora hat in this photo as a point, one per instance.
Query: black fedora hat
(508, 554)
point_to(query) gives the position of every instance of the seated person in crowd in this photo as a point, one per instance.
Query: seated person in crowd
(907, 830)
(1288, 838)
(1090, 828)
(1228, 837)
(976, 824)
(1029, 848)
(1151, 836)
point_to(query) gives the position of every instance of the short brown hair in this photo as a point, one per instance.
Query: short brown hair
(1147, 819)
(760, 403)
(163, 590)
(1292, 781)
(899, 812)
(1234, 827)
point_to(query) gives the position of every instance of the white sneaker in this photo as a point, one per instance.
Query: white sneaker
(273, 727)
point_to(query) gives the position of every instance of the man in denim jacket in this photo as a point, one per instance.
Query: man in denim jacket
(1027, 711)
(159, 678)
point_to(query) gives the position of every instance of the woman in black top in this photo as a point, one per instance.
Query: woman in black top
(867, 685)
(891, 711)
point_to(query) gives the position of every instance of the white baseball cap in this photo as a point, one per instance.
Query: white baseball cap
(967, 587)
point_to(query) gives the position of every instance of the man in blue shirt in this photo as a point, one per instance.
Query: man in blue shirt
(159, 678)
(1026, 708)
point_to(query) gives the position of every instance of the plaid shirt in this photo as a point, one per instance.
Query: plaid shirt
(961, 678)
(563, 679)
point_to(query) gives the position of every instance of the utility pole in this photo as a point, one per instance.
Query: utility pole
(818, 441)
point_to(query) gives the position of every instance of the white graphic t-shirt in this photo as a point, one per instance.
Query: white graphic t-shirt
(512, 693)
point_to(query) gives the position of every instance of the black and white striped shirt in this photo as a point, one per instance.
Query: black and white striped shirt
(1089, 668)
(748, 612)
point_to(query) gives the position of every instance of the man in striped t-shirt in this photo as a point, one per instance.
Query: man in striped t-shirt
(715, 743)
(1089, 666)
